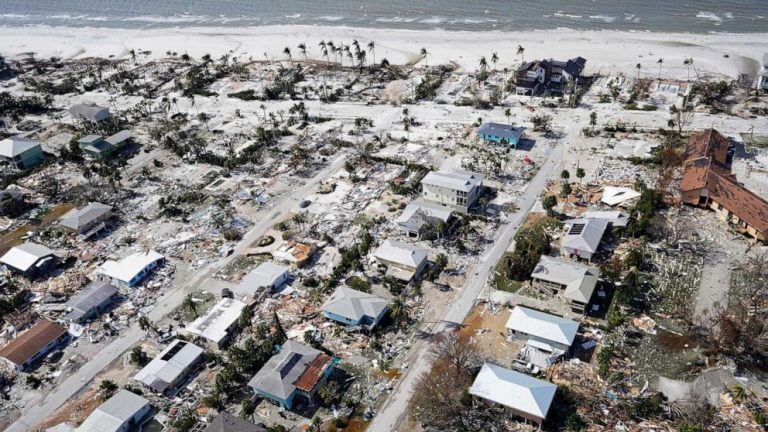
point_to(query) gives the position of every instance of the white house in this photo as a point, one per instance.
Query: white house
(403, 261)
(267, 276)
(520, 394)
(419, 214)
(573, 282)
(90, 112)
(123, 412)
(219, 324)
(29, 259)
(458, 190)
(528, 324)
(132, 269)
(583, 238)
(355, 308)
(166, 372)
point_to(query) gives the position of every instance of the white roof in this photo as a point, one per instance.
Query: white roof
(165, 369)
(616, 195)
(114, 413)
(215, 323)
(458, 180)
(543, 325)
(128, 267)
(16, 145)
(579, 279)
(89, 112)
(514, 390)
(416, 212)
(265, 275)
(75, 219)
(24, 256)
(401, 253)
(354, 304)
(585, 234)
(615, 217)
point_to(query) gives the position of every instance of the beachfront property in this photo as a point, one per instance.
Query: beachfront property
(219, 325)
(166, 373)
(530, 325)
(519, 394)
(23, 352)
(87, 220)
(21, 152)
(549, 76)
(131, 270)
(458, 190)
(403, 261)
(29, 259)
(91, 301)
(267, 276)
(583, 237)
(501, 134)
(355, 308)
(420, 217)
(708, 182)
(572, 282)
(296, 371)
(96, 146)
(90, 112)
(125, 411)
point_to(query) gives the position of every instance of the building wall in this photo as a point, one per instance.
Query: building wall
(31, 157)
(458, 200)
(526, 337)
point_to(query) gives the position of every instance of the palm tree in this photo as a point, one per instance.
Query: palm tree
(331, 48)
(190, 305)
(483, 63)
(521, 53)
(638, 66)
(688, 62)
(247, 409)
(132, 52)
(398, 311)
(146, 325)
(739, 393)
(384, 63)
(303, 49)
(494, 59)
(508, 113)
(424, 55)
(287, 51)
(659, 62)
(372, 50)
(298, 219)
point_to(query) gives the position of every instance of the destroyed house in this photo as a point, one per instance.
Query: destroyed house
(499, 133)
(583, 237)
(421, 216)
(90, 112)
(21, 152)
(531, 325)
(403, 261)
(29, 347)
(219, 324)
(521, 395)
(572, 282)
(29, 259)
(614, 218)
(266, 276)
(708, 182)
(96, 146)
(458, 190)
(294, 253)
(92, 301)
(125, 411)
(297, 370)
(88, 219)
(355, 308)
(132, 269)
(167, 372)
(11, 203)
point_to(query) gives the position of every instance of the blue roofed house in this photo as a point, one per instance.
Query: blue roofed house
(21, 152)
(297, 370)
(355, 308)
(498, 133)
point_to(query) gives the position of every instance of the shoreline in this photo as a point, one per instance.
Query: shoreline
(720, 54)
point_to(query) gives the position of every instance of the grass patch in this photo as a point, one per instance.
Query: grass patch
(358, 283)
(500, 280)
(235, 270)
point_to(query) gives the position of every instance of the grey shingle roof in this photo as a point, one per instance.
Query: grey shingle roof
(354, 304)
(278, 375)
(80, 218)
(226, 422)
(95, 295)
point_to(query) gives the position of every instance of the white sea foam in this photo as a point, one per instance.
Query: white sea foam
(433, 20)
(603, 18)
(395, 19)
(294, 16)
(709, 16)
(330, 18)
(561, 14)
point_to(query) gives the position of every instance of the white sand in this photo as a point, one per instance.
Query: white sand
(606, 51)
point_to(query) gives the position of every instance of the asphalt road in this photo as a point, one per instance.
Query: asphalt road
(67, 389)
(396, 407)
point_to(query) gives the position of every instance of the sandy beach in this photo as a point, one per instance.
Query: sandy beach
(607, 51)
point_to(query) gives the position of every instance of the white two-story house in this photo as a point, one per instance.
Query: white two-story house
(458, 190)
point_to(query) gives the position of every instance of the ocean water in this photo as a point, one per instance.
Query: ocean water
(696, 16)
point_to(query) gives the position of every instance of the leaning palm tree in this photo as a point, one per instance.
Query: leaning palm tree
(190, 305)
(483, 63)
(521, 53)
(303, 48)
(372, 50)
(424, 55)
(494, 59)
(659, 62)
(287, 51)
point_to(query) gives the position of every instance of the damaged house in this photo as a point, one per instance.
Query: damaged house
(43, 338)
(403, 261)
(123, 412)
(355, 308)
(549, 76)
(708, 182)
(29, 259)
(574, 283)
(219, 324)
(90, 302)
(547, 337)
(131, 270)
(166, 373)
(87, 220)
(21, 152)
(421, 217)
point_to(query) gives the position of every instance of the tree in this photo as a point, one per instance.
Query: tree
(508, 114)
(303, 48)
(138, 356)
(542, 123)
(494, 59)
(549, 203)
(287, 51)
(398, 311)
(190, 305)
(688, 62)
(424, 55)
(280, 335)
(458, 349)
(593, 119)
(565, 175)
(660, 62)
(521, 53)
(247, 408)
(107, 388)
(638, 66)
(146, 325)
(483, 63)
(565, 190)
(372, 50)
(580, 173)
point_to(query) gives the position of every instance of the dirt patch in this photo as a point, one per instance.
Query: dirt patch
(488, 329)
